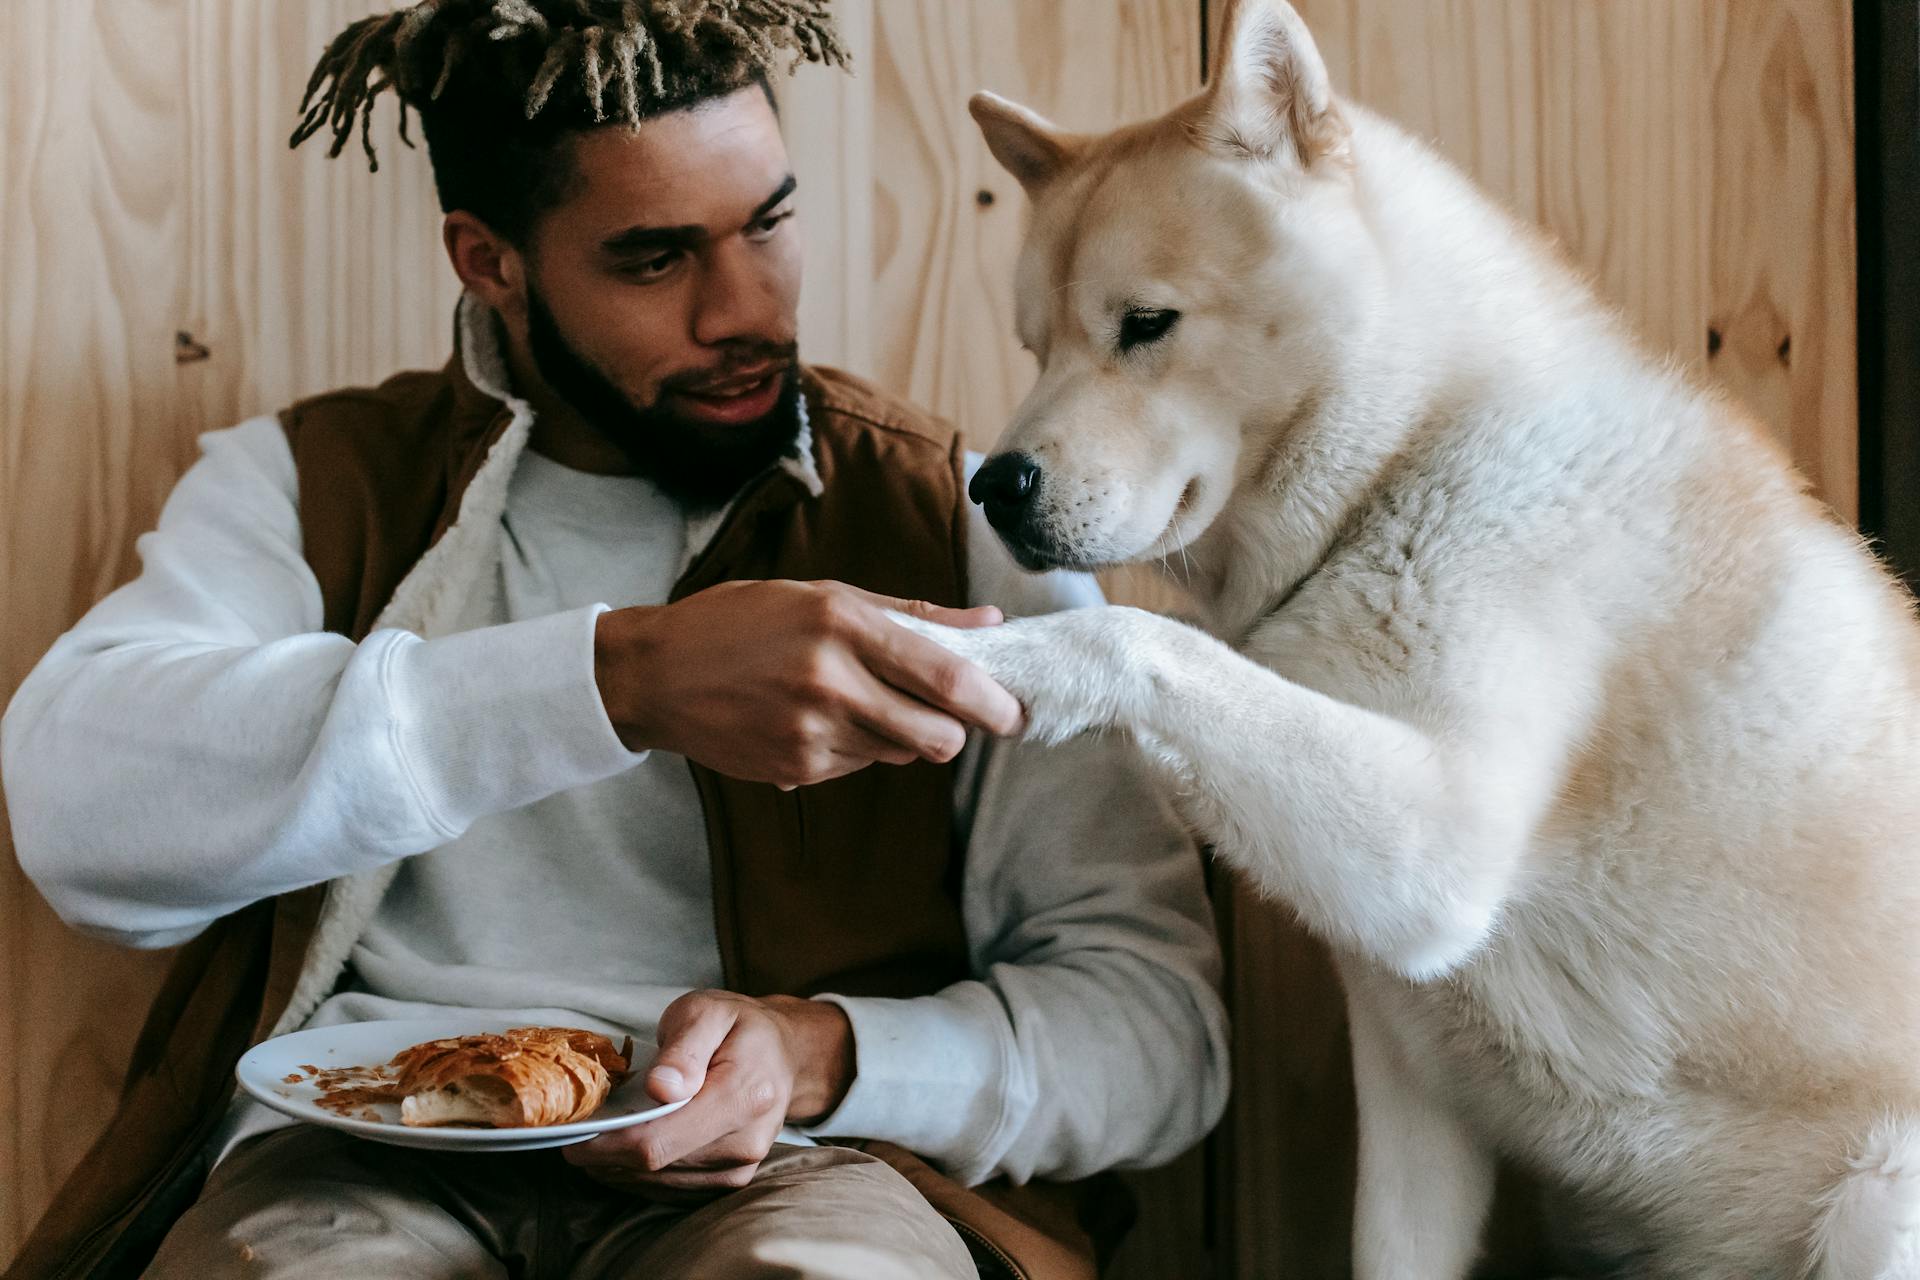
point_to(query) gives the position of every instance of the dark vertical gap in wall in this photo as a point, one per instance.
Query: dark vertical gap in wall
(1206, 36)
(1887, 166)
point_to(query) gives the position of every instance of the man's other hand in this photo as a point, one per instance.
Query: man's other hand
(749, 1067)
(793, 683)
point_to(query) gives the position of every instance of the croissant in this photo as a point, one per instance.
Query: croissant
(528, 1076)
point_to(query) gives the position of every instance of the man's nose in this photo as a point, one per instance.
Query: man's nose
(1006, 486)
(740, 301)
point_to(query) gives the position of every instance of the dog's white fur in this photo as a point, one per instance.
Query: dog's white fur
(1535, 683)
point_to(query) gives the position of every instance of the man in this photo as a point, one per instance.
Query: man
(367, 738)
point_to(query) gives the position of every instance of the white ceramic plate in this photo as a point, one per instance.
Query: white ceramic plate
(265, 1070)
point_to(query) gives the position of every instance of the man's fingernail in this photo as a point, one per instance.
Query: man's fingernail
(668, 1077)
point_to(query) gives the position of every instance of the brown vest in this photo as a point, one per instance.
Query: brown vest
(852, 886)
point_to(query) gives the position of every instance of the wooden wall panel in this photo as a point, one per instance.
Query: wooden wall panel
(1623, 158)
(947, 221)
(828, 119)
(148, 191)
(1694, 157)
(307, 273)
(1781, 245)
(90, 275)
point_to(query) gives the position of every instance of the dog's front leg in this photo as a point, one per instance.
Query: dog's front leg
(1425, 1183)
(1383, 842)
(1075, 670)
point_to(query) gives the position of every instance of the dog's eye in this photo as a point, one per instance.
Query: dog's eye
(1137, 328)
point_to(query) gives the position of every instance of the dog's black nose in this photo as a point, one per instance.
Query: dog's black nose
(1006, 487)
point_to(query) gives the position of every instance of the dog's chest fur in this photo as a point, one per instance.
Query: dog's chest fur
(1607, 1030)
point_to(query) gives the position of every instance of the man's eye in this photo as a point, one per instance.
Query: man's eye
(765, 227)
(1137, 328)
(654, 267)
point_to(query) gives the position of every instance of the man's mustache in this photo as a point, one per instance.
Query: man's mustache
(763, 358)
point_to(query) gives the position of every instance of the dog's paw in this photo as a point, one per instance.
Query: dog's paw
(1069, 670)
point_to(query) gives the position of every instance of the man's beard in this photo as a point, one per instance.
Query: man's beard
(701, 465)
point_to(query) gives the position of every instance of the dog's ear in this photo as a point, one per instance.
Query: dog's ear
(1270, 96)
(1026, 144)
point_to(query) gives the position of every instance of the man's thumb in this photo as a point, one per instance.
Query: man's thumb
(985, 615)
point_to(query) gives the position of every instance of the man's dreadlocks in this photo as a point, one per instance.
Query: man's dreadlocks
(498, 82)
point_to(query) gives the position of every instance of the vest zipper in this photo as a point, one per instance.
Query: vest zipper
(974, 1237)
(746, 505)
(800, 846)
(720, 876)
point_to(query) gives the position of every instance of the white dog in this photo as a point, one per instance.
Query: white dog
(1536, 685)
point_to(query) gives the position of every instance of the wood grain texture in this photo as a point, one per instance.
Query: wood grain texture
(828, 118)
(148, 191)
(94, 161)
(308, 273)
(948, 220)
(1695, 159)
(1781, 247)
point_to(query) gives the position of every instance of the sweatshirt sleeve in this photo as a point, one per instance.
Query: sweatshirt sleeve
(197, 743)
(1093, 1035)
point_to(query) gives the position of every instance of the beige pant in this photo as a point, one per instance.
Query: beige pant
(316, 1203)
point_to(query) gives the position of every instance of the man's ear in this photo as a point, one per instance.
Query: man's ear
(489, 267)
(1027, 145)
(1270, 97)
